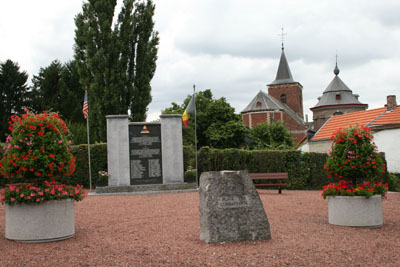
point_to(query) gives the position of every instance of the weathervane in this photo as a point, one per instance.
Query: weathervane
(282, 36)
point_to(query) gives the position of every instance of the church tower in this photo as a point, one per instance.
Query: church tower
(285, 89)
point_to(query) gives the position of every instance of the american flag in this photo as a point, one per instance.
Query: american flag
(85, 109)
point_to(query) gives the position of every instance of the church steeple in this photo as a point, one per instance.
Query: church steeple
(285, 89)
(283, 74)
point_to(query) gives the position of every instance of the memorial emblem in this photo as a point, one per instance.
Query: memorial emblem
(144, 130)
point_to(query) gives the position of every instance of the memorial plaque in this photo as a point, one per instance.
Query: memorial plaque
(145, 153)
(230, 208)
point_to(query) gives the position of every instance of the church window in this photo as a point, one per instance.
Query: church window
(337, 113)
(283, 98)
(258, 104)
(337, 96)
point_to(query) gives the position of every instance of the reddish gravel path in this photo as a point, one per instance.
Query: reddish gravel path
(163, 230)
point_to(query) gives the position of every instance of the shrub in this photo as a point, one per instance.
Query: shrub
(38, 149)
(354, 156)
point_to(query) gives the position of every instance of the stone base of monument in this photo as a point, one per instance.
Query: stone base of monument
(230, 208)
(144, 188)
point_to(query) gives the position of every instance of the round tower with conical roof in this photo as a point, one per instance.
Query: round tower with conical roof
(336, 99)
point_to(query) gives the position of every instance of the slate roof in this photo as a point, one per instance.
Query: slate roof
(368, 118)
(283, 76)
(335, 87)
(269, 103)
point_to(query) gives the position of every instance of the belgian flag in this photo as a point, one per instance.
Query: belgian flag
(190, 110)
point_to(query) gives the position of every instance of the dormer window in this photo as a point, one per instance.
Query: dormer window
(258, 104)
(338, 97)
(283, 98)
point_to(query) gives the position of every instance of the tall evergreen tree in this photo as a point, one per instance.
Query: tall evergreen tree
(13, 93)
(116, 63)
(57, 88)
(45, 93)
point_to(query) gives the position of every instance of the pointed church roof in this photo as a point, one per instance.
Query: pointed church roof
(337, 93)
(283, 75)
(265, 102)
(262, 102)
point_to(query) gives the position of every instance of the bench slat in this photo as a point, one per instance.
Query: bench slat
(281, 175)
(257, 185)
(269, 178)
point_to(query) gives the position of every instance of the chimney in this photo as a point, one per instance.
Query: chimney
(391, 102)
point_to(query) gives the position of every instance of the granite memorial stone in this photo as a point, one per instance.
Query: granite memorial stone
(230, 208)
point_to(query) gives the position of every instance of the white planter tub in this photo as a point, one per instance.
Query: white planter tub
(355, 211)
(48, 221)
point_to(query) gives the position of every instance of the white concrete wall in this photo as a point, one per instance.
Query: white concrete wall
(388, 141)
(171, 147)
(320, 147)
(118, 150)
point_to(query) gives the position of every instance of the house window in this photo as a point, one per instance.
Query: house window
(337, 113)
(283, 98)
(337, 96)
(258, 104)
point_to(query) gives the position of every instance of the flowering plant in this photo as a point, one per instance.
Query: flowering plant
(27, 193)
(354, 156)
(38, 149)
(346, 188)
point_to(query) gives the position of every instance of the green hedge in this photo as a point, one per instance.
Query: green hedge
(305, 169)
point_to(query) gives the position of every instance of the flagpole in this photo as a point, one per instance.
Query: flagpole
(88, 141)
(195, 134)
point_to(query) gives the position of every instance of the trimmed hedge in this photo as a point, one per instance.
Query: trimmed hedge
(305, 170)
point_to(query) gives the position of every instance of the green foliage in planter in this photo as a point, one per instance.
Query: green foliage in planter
(37, 149)
(354, 156)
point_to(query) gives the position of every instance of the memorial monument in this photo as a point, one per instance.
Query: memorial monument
(144, 156)
(230, 208)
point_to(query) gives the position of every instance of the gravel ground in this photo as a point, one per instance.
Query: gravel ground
(163, 230)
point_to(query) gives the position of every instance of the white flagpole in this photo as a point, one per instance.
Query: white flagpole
(195, 135)
(88, 141)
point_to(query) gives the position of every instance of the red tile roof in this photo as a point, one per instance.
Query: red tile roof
(350, 119)
(390, 117)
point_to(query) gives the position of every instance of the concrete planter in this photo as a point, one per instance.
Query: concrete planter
(355, 211)
(49, 221)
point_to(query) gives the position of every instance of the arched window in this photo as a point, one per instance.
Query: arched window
(283, 98)
(337, 113)
(258, 104)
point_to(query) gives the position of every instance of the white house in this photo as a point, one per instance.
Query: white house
(384, 123)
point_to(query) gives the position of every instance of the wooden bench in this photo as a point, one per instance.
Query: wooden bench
(277, 176)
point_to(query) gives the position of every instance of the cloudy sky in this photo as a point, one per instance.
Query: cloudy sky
(233, 46)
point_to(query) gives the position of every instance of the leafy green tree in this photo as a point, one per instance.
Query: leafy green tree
(116, 62)
(217, 124)
(270, 136)
(13, 93)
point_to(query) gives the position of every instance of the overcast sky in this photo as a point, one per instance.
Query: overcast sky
(233, 46)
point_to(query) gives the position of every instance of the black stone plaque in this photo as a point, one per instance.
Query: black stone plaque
(145, 153)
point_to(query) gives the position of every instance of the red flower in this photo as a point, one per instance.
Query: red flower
(40, 133)
(51, 155)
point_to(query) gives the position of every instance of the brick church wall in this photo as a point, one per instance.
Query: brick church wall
(293, 92)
